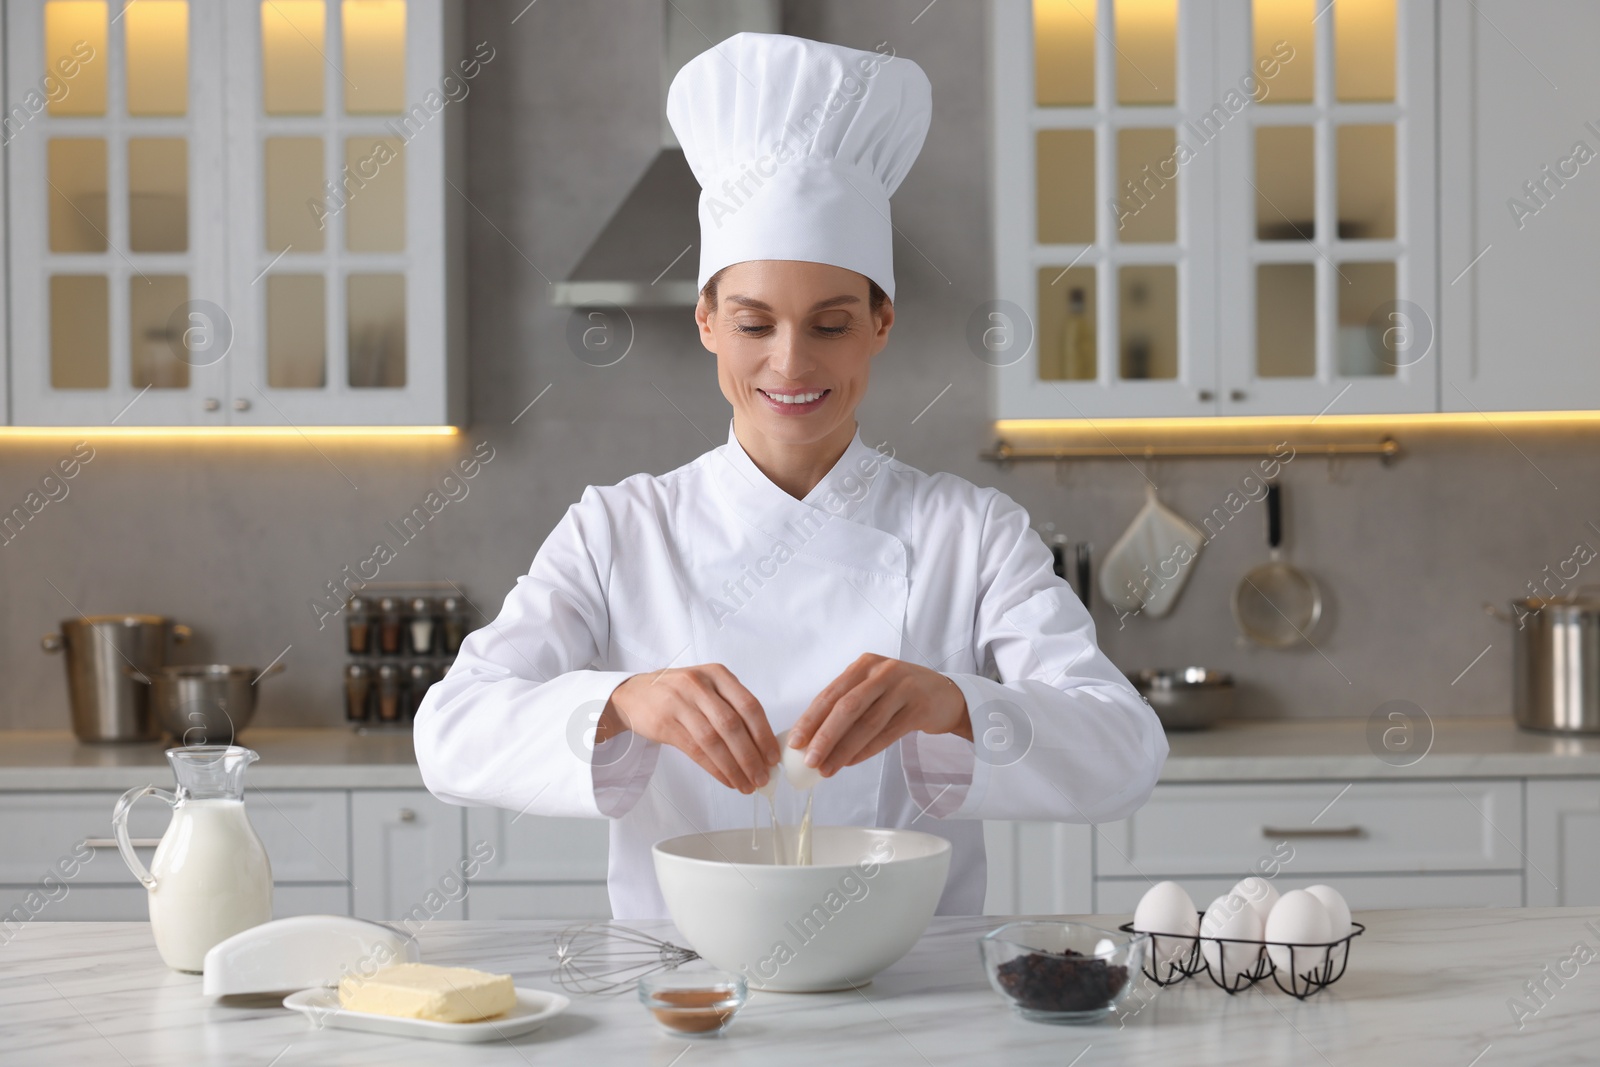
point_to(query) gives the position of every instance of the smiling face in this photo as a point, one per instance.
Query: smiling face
(794, 342)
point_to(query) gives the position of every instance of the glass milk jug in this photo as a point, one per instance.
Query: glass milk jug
(210, 877)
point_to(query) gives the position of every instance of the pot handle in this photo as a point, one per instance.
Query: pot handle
(275, 668)
(119, 824)
(1491, 610)
(181, 633)
(51, 642)
(136, 674)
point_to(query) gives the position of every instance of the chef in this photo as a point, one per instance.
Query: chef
(907, 629)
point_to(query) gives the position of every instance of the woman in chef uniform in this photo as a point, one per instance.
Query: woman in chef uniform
(908, 627)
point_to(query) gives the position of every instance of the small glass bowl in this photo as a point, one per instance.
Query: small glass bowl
(693, 1003)
(1061, 972)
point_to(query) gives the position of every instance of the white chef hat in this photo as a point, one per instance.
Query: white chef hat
(797, 146)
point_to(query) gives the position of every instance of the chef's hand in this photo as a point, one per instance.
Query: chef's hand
(704, 712)
(873, 704)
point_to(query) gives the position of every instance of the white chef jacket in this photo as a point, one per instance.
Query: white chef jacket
(713, 563)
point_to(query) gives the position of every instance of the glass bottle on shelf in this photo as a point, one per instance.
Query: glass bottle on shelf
(1077, 340)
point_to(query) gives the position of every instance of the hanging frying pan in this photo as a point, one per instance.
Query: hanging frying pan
(1275, 604)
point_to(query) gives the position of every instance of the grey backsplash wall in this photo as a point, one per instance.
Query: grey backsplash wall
(236, 538)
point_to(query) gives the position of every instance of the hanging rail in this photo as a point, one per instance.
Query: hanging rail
(1004, 453)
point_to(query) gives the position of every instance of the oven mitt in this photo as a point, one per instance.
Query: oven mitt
(1147, 568)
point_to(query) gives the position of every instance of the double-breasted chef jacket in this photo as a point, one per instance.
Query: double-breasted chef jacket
(713, 563)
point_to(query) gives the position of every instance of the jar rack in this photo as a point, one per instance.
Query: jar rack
(400, 638)
(1312, 966)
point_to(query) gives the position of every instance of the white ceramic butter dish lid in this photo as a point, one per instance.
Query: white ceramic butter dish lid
(303, 951)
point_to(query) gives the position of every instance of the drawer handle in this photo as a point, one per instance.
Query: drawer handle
(111, 842)
(407, 815)
(1275, 832)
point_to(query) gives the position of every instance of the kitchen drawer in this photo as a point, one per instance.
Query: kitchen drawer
(39, 829)
(1232, 830)
(538, 900)
(306, 834)
(1363, 892)
(533, 848)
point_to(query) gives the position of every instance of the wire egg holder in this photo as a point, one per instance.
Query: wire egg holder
(1319, 974)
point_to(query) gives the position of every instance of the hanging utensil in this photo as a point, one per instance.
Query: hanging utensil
(600, 959)
(1275, 604)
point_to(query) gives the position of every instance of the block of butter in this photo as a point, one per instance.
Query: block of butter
(424, 991)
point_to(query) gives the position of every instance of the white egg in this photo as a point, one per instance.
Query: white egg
(1298, 918)
(1166, 909)
(1231, 916)
(1338, 910)
(1261, 894)
(794, 765)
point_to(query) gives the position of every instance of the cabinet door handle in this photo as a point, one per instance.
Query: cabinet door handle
(1237, 394)
(407, 815)
(241, 403)
(1276, 832)
(212, 404)
(111, 842)
(1205, 396)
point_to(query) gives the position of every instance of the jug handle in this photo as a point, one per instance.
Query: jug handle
(119, 824)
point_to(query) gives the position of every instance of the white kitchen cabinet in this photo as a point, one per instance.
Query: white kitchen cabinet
(531, 848)
(1563, 842)
(538, 900)
(1317, 827)
(1519, 205)
(236, 213)
(408, 854)
(1039, 868)
(306, 833)
(1211, 208)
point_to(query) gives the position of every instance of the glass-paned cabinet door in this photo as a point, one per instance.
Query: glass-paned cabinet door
(1330, 285)
(337, 149)
(118, 255)
(1104, 229)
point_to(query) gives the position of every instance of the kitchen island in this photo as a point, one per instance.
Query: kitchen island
(1423, 987)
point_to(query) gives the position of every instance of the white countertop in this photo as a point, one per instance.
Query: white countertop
(1298, 750)
(1422, 988)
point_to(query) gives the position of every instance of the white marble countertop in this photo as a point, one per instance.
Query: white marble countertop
(1423, 988)
(1298, 750)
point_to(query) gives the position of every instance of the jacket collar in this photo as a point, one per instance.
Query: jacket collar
(842, 492)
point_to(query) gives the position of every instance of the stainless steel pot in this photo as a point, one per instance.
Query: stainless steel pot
(1555, 662)
(107, 705)
(206, 703)
(1187, 698)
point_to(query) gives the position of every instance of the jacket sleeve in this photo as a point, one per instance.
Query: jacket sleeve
(511, 724)
(1063, 736)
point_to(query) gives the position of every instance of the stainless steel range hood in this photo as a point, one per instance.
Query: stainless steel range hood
(648, 253)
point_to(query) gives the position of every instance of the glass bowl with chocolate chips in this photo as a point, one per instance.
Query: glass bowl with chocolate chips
(1062, 972)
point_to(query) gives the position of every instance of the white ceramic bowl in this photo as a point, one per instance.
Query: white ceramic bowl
(859, 907)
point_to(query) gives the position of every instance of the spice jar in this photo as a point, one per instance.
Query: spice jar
(453, 622)
(389, 629)
(357, 692)
(421, 625)
(357, 626)
(693, 1004)
(419, 676)
(390, 683)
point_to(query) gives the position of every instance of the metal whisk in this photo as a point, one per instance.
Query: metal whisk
(601, 959)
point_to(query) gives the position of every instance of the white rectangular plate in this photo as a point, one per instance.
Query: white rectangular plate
(533, 1009)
